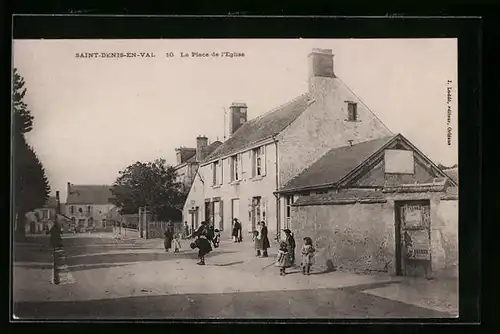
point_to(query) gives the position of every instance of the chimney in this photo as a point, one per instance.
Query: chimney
(201, 147)
(178, 152)
(58, 203)
(68, 188)
(320, 66)
(237, 116)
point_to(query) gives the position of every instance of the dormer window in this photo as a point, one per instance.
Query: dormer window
(352, 111)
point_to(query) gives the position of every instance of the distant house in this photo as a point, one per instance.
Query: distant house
(88, 206)
(188, 161)
(364, 204)
(41, 219)
(241, 178)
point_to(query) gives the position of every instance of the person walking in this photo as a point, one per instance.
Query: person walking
(290, 242)
(169, 236)
(186, 230)
(257, 239)
(264, 239)
(201, 242)
(236, 230)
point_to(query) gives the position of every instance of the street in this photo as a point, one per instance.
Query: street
(137, 279)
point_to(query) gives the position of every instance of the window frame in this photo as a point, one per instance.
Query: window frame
(352, 113)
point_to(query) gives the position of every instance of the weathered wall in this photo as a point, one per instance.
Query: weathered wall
(244, 190)
(97, 211)
(445, 230)
(357, 237)
(194, 199)
(324, 126)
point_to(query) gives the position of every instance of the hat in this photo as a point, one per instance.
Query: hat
(287, 230)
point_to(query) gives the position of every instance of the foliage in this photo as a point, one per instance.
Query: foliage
(23, 120)
(152, 185)
(31, 186)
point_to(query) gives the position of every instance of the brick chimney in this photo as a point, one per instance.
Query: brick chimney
(237, 116)
(68, 188)
(201, 147)
(320, 67)
(178, 153)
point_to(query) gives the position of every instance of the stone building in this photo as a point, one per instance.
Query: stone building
(378, 206)
(242, 177)
(41, 219)
(88, 206)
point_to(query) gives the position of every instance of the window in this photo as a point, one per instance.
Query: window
(320, 192)
(259, 161)
(235, 168)
(217, 173)
(89, 208)
(72, 209)
(289, 202)
(352, 110)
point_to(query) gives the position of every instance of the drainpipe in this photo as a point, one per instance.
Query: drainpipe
(276, 194)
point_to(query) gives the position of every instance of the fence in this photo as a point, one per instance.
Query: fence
(157, 228)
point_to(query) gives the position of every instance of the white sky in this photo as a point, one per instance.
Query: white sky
(94, 117)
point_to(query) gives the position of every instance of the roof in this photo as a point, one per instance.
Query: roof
(452, 173)
(187, 153)
(209, 150)
(262, 127)
(343, 197)
(89, 194)
(336, 164)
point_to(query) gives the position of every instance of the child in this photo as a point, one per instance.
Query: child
(283, 258)
(307, 252)
(204, 248)
(177, 243)
(216, 238)
(290, 242)
(256, 242)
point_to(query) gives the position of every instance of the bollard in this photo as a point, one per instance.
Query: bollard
(55, 271)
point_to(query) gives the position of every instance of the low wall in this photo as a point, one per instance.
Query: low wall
(156, 229)
(357, 237)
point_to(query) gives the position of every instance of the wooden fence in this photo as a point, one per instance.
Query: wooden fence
(157, 228)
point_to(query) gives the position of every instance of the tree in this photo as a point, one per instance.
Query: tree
(152, 185)
(31, 186)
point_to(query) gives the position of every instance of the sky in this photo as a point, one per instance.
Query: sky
(95, 116)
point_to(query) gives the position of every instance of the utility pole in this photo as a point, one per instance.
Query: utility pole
(225, 113)
(140, 223)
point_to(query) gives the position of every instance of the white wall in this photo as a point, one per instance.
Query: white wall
(244, 190)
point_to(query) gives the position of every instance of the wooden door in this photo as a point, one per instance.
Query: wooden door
(413, 248)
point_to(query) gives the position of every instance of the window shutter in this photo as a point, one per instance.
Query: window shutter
(263, 215)
(252, 161)
(240, 161)
(221, 213)
(230, 165)
(250, 215)
(213, 175)
(220, 171)
(263, 160)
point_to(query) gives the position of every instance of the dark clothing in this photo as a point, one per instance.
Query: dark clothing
(203, 246)
(236, 229)
(169, 236)
(55, 236)
(290, 245)
(264, 239)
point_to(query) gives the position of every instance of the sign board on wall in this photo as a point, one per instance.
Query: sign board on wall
(399, 162)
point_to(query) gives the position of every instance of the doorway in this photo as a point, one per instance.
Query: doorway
(256, 217)
(413, 238)
(235, 210)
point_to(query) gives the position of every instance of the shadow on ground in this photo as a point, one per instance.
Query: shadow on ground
(72, 269)
(318, 303)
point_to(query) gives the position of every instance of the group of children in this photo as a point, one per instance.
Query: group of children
(286, 254)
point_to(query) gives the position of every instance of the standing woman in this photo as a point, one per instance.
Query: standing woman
(236, 230)
(55, 235)
(264, 239)
(169, 236)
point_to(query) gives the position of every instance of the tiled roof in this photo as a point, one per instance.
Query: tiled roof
(262, 127)
(209, 150)
(336, 164)
(452, 173)
(342, 197)
(89, 194)
(187, 153)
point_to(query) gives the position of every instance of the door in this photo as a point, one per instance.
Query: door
(218, 215)
(413, 249)
(235, 211)
(256, 210)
